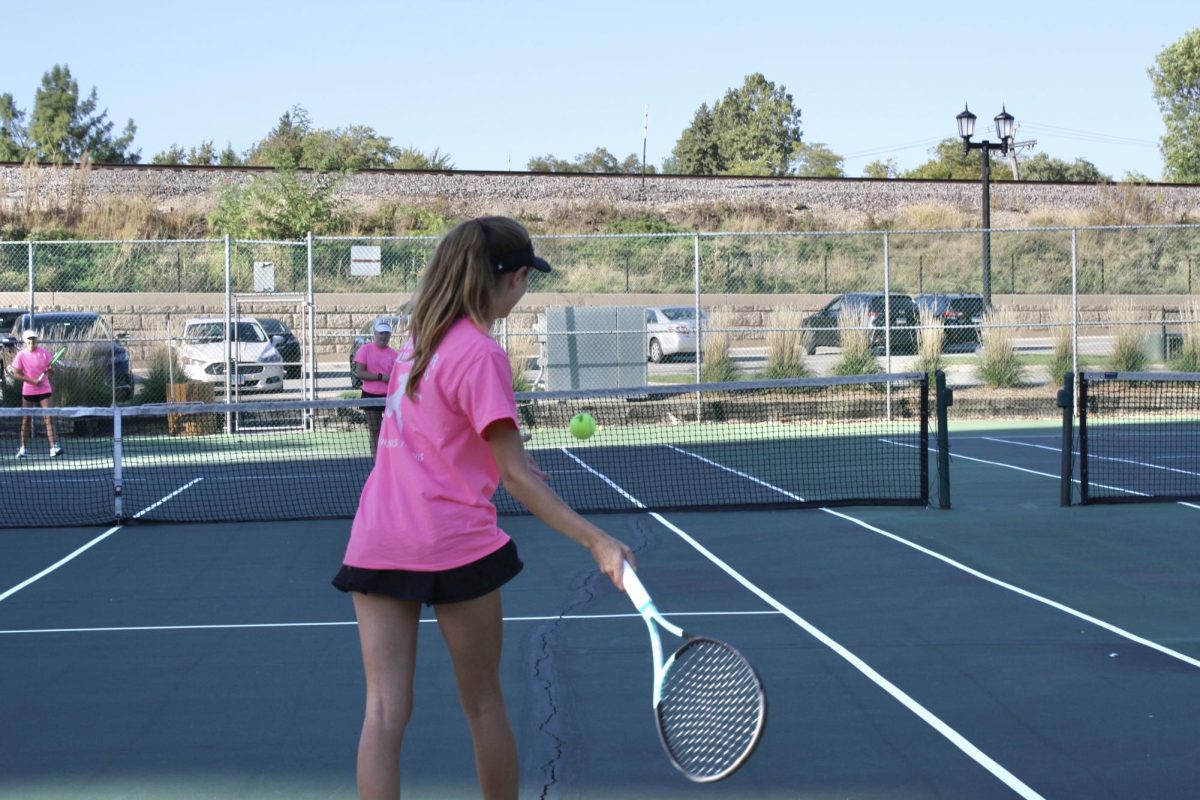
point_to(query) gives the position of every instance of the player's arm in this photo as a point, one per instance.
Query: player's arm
(360, 370)
(527, 484)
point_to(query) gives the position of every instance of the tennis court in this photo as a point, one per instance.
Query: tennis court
(1006, 647)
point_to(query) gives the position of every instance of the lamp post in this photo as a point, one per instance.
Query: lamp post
(1004, 131)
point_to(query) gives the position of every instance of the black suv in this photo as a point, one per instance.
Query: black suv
(90, 342)
(823, 325)
(961, 314)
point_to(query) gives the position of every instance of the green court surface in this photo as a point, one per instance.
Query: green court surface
(1007, 647)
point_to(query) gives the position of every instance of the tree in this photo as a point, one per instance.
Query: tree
(818, 161)
(1043, 167)
(170, 157)
(293, 143)
(62, 128)
(881, 169)
(754, 130)
(599, 161)
(14, 138)
(949, 162)
(1176, 80)
(697, 151)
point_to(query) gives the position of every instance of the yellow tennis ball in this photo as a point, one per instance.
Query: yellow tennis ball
(582, 426)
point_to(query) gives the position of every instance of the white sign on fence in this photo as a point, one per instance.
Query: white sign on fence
(264, 276)
(365, 260)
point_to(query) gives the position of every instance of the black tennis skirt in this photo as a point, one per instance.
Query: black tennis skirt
(36, 398)
(432, 588)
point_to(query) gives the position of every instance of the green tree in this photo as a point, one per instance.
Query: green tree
(949, 162)
(753, 130)
(1043, 167)
(295, 143)
(1176, 79)
(818, 161)
(280, 205)
(62, 128)
(599, 160)
(881, 169)
(14, 138)
(229, 157)
(171, 156)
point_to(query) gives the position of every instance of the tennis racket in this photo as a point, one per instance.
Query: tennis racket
(57, 355)
(709, 704)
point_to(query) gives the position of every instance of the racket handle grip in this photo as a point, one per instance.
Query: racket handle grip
(633, 587)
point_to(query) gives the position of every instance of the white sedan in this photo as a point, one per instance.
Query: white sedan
(257, 366)
(670, 331)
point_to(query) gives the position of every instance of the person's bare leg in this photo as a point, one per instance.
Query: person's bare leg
(387, 631)
(474, 632)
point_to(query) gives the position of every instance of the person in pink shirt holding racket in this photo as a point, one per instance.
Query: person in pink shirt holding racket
(426, 529)
(373, 366)
(32, 367)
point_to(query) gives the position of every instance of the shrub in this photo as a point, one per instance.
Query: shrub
(1188, 358)
(930, 340)
(786, 346)
(164, 370)
(1061, 361)
(1129, 339)
(854, 333)
(999, 366)
(717, 365)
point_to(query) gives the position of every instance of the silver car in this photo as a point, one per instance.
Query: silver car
(257, 364)
(671, 331)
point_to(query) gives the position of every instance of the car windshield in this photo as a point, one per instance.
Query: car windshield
(205, 332)
(61, 327)
(272, 326)
(675, 314)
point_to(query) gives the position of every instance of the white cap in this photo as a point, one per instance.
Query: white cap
(31, 334)
(382, 327)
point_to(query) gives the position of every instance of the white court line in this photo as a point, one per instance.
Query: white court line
(1058, 477)
(92, 543)
(927, 716)
(350, 623)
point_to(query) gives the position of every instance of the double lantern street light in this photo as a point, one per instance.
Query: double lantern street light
(1004, 130)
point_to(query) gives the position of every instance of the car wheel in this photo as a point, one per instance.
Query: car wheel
(656, 351)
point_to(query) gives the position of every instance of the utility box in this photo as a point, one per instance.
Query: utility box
(595, 347)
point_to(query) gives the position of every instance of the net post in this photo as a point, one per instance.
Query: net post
(1083, 439)
(118, 510)
(944, 398)
(1066, 401)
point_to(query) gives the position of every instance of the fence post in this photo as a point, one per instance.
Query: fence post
(696, 283)
(228, 322)
(1074, 301)
(30, 248)
(309, 379)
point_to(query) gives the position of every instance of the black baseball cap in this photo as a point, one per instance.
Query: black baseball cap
(523, 256)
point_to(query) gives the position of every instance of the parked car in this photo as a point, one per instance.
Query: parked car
(257, 366)
(671, 331)
(824, 330)
(90, 344)
(962, 314)
(366, 333)
(285, 343)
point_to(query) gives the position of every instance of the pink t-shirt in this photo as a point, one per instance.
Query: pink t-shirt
(33, 363)
(375, 359)
(427, 504)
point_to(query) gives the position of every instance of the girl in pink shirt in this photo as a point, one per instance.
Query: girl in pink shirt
(32, 368)
(426, 529)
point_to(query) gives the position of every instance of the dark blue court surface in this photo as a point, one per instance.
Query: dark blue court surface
(1005, 648)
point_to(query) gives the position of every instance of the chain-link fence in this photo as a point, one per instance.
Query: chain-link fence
(235, 320)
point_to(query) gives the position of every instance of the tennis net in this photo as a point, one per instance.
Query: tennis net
(1139, 437)
(803, 442)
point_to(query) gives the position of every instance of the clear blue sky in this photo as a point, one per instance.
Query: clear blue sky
(497, 83)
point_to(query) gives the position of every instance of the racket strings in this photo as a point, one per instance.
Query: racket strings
(711, 709)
